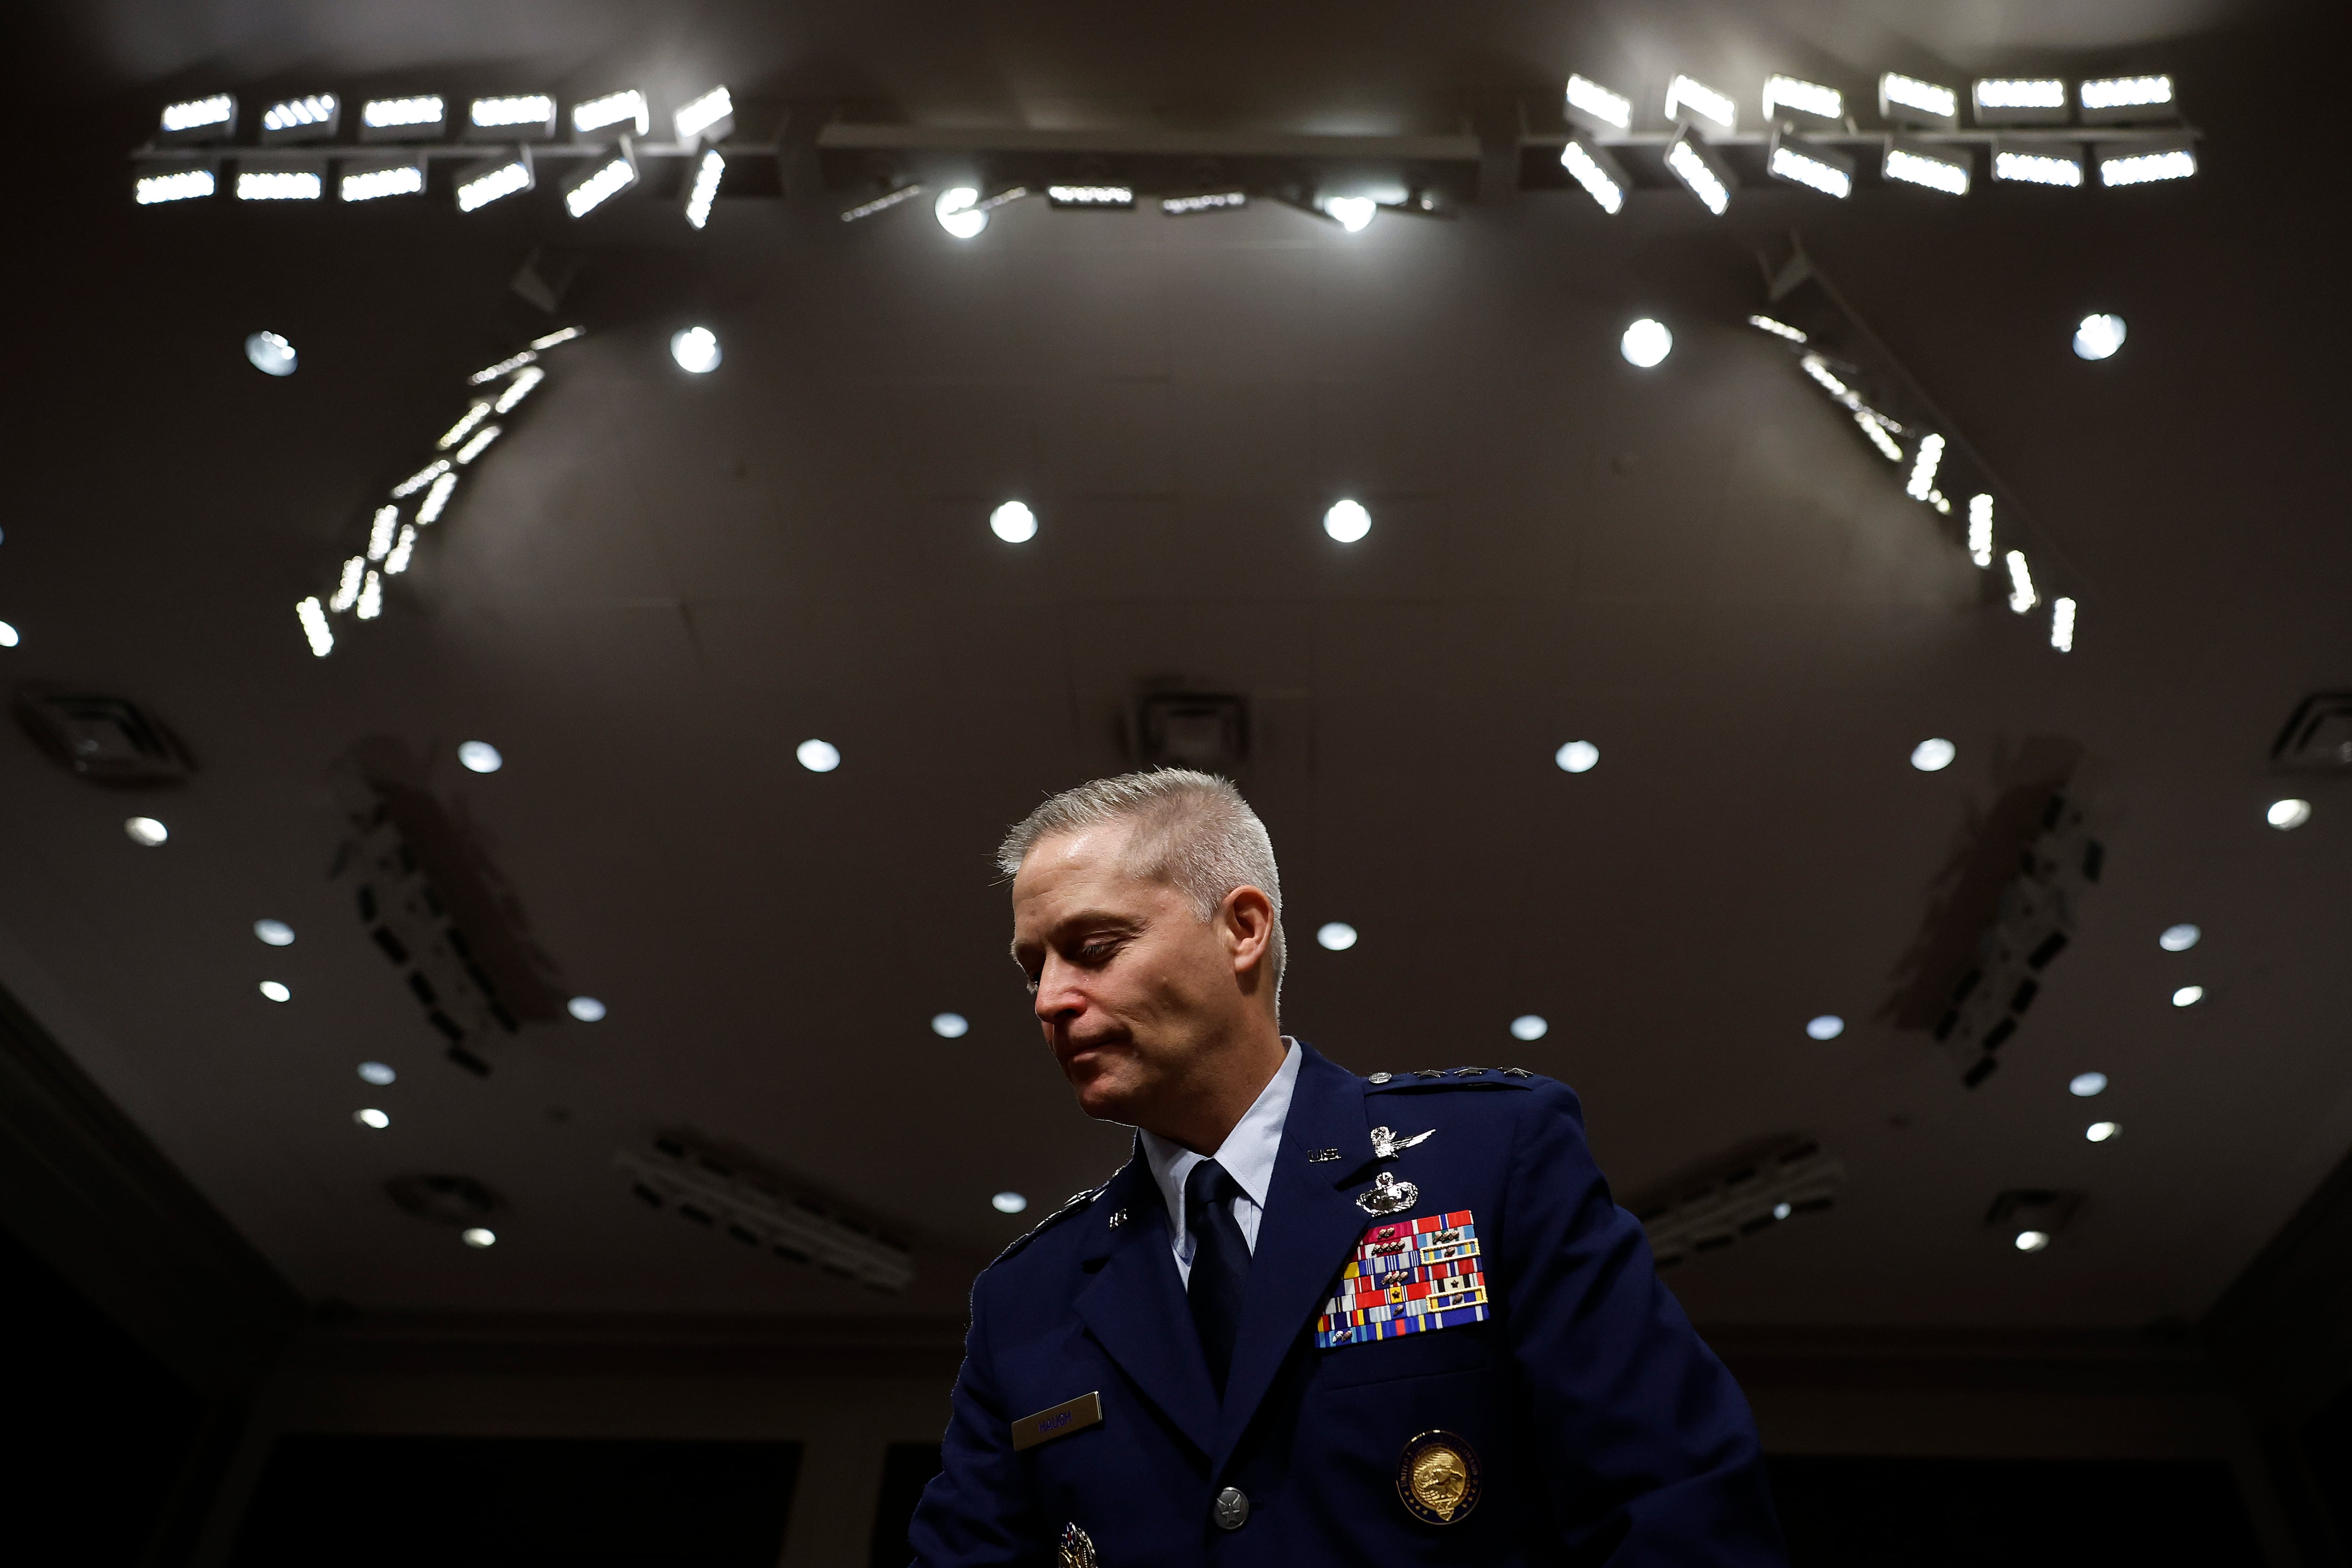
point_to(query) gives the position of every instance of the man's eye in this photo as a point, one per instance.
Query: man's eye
(1096, 952)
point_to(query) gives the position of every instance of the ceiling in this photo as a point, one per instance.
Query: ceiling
(662, 584)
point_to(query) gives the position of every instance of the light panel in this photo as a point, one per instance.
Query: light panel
(1203, 202)
(1686, 97)
(2021, 596)
(1929, 166)
(511, 362)
(478, 446)
(2129, 165)
(315, 118)
(370, 603)
(347, 591)
(1805, 97)
(2118, 99)
(1778, 329)
(1981, 531)
(419, 480)
(958, 210)
(1603, 179)
(528, 114)
(883, 203)
(2020, 100)
(1701, 173)
(281, 182)
(1352, 212)
(1874, 426)
(1908, 100)
(561, 335)
(372, 179)
(2037, 168)
(313, 616)
(381, 531)
(2062, 625)
(422, 117)
(1924, 463)
(179, 185)
(614, 108)
(493, 179)
(711, 115)
(517, 389)
(212, 119)
(707, 172)
(1816, 168)
(436, 500)
(591, 188)
(1114, 197)
(396, 561)
(466, 425)
(1597, 106)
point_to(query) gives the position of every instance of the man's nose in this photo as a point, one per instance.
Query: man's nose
(1057, 1000)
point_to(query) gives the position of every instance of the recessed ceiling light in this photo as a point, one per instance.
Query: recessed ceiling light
(1336, 936)
(1014, 523)
(2286, 814)
(270, 354)
(2087, 1084)
(8, 637)
(277, 991)
(1352, 212)
(1646, 343)
(2188, 997)
(1934, 754)
(146, 830)
(950, 1026)
(1008, 1202)
(1347, 522)
(1782, 1211)
(2179, 938)
(376, 1073)
(372, 1117)
(1578, 757)
(1827, 1026)
(2100, 1131)
(1529, 1027)
(479, 756)
(2099, 336)
(818, 756)
(696, 349)
(587, 1009)
(276, 933)
(960, 213)
(479, 1235)
(2032, 1240)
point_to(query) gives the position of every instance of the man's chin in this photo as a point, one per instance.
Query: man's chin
(1104, 1093)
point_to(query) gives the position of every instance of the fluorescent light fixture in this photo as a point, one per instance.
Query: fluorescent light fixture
(591, 188)
(696, 350)
(491, 179)
(313, 616)
(423, 117)
(1928, 165)
(2062, 625)
(1924, 463)
(1597, 107)
(1981, 531)
(1009, 194)
(479, 444)
(527, 115)
(1347, 522)
(372, 179)
(707, 172)
(1685, 97)
(370, 602)
(1908, 100)
(210, 119)
(1874, 426)
(1701, 172)
(347, 591)
(1778, 329)
(517, 389)
(395, 561)
(2118, 99)
(312, 118)
(381, 531)
(466, 425)
(1818, 368)
(281, 180)
(614, 108)
(2020, 100)
(1646, 343)
(2021, 596)
(419, 480)
(561, 335)
(2129, 165)
(1352, 212)
(883, 203)
(1817, 168)
(958, 210)
(1203, 202)
(1804, 97)
(712, 116)
(511, 362)
(1600, 176)
(182, 183)
(1090, 195)
(435, 501)
(2037, 168)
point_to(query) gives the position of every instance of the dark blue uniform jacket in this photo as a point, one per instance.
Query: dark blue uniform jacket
(1603, 1430)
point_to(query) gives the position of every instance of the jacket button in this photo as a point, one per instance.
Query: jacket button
(1232, 1508)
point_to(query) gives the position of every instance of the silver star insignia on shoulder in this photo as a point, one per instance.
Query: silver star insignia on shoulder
(1469, 1072)
(1429, 1072)
(1516, 1072)
(1380, 1078)
(1387, 1145)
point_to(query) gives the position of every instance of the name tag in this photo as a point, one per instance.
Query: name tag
(1062, 1420)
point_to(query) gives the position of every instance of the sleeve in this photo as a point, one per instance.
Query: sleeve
(1649, 1449)
(978, 1508)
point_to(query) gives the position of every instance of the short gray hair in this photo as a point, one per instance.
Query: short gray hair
(1191, 831)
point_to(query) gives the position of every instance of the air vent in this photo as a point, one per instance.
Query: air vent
(1193, 730)
(2319, 737)
(106, 740)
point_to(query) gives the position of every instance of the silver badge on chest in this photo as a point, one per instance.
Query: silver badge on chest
(1388, 1196)
(1387, 1145)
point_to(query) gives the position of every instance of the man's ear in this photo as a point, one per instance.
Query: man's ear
(1246, 920)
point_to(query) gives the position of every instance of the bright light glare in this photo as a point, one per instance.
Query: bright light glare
(2021, 92)
(316, 110)
(1981, 531)
(1947, 175)
(1702, 101)
(513, 362)
(561, 335)
(381, 531)
(187, 185)
(615, 176)
(1014, 523)
(1008, 1202)
(436, 500)
(2098, 337)
(1827, 1026)
(1874, 426)
(2140, 168)
(529, 109)
(517, 389)
(1934, 754)
(466, 425)
(371, 601)
(1804, 97)
(2083, 1085)
(1646, 343)
(479, 444)
(696, 349)
(2124, 91)
(1353, 212)
(1203, 202)
(275, 991)
(479, 757)
(1587, 171)
(707, 175)
(2062, 625)
(2188, 997)
(347, 591)
(1578, 757)
(1940, 102)
(383, 113)
(276, 933)
(1599, 102)
(1529, 1027)
(146, 830)
(2100, 1131)
(1692, 170)
(479, 1235)
(270, 354)
(587, 1009)
(818, 756)
(2037, 168)
(950, 1026)
(372, 1118)
(703, 113)
(1805, 169)
(1335, 936)
(2288, 814)
(217, 110)
(396, 561)
(491, 184)
(958, 212)
(2021, 596)
(9, 636)
(2032, 1240)
(376, 1073)
(1347, 522)
(613, 109)
(374, 184)
(1091, 195)
(2179, 937)
(1778, 329)
(313, 616)
(1782, 1210)
(1923, 467)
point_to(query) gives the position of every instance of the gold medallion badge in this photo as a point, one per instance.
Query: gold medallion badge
(1437, 1477)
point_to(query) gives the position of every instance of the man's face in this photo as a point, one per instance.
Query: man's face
(1130, 983)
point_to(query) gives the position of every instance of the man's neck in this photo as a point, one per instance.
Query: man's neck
(1208, 1115)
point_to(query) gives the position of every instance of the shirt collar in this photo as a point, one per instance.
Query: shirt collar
(1247, 1153)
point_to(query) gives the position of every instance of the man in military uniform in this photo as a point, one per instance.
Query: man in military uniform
(1317, 1318)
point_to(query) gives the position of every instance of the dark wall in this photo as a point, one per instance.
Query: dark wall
(905, 1470)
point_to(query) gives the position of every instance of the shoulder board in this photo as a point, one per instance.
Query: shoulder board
(1077, 1200)
(1453, 1078)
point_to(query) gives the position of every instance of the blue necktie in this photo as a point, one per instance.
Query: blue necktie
(1221, 1261)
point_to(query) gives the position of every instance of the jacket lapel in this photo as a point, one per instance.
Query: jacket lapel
(1134, 1304)
(1309, 1229)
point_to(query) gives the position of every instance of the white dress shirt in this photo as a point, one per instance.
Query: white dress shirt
(1247, 1154)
